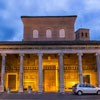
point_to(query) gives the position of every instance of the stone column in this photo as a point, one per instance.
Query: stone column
(98, 67)
(21, 72)
(61, 73)
(40, 73)
(3, 73)
(80, 67)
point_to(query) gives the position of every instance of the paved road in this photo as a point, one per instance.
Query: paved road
(47, 96)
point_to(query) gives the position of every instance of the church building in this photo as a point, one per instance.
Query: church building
(52, 57)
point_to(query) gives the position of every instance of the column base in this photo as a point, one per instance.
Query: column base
(98, 85)
(40, 90)
(21, 89)
(1, 88)
(62, 90)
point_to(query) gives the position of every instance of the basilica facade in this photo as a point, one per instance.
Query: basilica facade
(52, 57)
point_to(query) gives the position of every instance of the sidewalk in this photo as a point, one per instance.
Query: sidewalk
(33, 96)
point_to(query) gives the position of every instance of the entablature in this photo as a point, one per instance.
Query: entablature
(23, 47)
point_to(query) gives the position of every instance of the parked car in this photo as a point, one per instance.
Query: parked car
(85, 89)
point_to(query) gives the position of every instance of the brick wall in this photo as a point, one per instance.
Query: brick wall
(53, 23)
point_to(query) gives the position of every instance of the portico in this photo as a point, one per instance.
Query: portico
(52, 71)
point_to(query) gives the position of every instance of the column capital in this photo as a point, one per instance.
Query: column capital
(97, 54)
(80, 54)
(21, 54)
(60, 54)
(40, 54)
(3, 54)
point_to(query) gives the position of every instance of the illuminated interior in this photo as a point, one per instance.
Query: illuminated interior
(30, 72)
(31, 79)
(70, 71)
(70, 79)
(50, 71)
(12, 81)
(71, 75)
(12, 72)
(89, 69)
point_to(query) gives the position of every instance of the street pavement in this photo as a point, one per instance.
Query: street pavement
(46, 96)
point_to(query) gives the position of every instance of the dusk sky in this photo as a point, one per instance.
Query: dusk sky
(11, 26)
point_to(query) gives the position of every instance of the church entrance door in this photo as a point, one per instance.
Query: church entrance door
(50, 79)
(12, 79)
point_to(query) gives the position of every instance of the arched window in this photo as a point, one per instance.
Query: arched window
(82, 34)
(35, 33)
(86, 34)
(61, 33)
(48, 33)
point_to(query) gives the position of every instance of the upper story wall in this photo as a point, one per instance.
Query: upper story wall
(48, 28)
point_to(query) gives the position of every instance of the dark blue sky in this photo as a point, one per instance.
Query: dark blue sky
(11, 27)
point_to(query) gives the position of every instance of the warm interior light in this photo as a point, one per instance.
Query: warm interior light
(49, 58)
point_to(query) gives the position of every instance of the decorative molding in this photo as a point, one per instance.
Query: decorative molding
(80, 54)
(21, 54)
(30, 51)
(3, 54)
